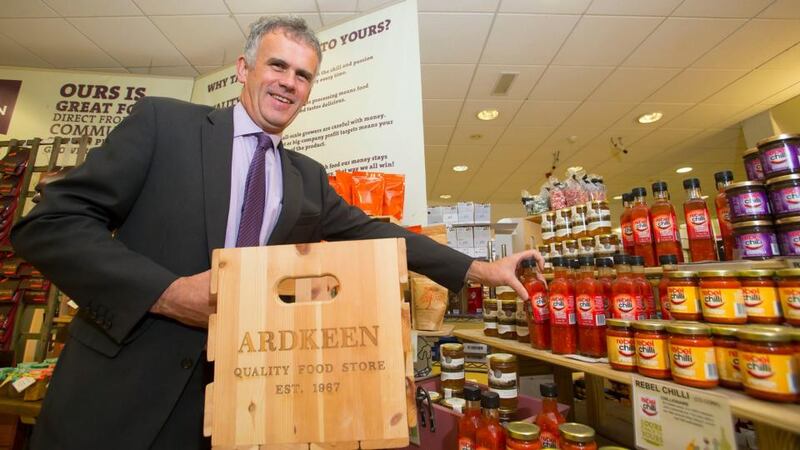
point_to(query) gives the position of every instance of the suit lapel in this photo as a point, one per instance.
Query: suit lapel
(292, 200)
(217, 148)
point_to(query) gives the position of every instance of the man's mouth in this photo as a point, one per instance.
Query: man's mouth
(281, 98)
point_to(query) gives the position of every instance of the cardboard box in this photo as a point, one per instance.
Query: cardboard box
(481, 236)
(435, 215)
(465, 237)
(483, 213)
(452, 239)
(450, 215)
(480, 252)
(466, 212)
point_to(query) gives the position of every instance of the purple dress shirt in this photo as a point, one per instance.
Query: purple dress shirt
(244, 146)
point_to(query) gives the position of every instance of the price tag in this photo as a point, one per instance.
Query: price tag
(23, 383)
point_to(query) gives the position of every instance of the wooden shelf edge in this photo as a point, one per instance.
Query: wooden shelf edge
(783, 416)
(447, 330)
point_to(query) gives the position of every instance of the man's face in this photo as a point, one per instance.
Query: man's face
(279, 82)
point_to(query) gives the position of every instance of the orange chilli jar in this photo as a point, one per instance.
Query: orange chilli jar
(620, 344)
(576, 436)
(789, 293)
(692, 359)
(722, 297)
(652, 348)
(683, 293)
(522, 436)
(727, 355)
(760, 296)
(769, 370)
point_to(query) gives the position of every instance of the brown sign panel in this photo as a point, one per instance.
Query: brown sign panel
(9, 91)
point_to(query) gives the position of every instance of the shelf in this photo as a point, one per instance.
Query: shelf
(64, 319)
(500, 228)
(20, 407)
(447, 330)
(783, 416)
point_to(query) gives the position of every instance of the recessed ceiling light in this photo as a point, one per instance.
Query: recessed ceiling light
(617, 197)
(488, 114)
(683, 170)
(654, 116)
(460, 168)
(445, 196)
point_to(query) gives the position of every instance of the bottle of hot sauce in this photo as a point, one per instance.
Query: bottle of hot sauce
(723, 179)
(702, 246)
(642, 231)
(563, 333)
(590, 311)
(623, 290)
(471, 420)
(539, 318)
(549, 418)
(491, 435)
(665, 224)
(626, 226)
(605, 275)
(574, 266)
(667, 262)
(645, 299)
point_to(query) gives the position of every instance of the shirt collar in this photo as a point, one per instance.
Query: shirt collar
(243, 125)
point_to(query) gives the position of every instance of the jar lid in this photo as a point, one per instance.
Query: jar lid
(753, 223)
(454, 403)
(580, 208)
(681, 274)
(435, 396)
(717, 273)
(576, 432)
(523, 431)
(795, 332)
(790, 177)
(690, 328)
(741, 184)
(549, 214)
(621, 323)
(778, 137)
(725, 330)
(757, 273)
(543, 248)
(750, 151)
(570, 240)
(586, 239)
(765, 333)
(788, 273)
(788, 220)
(502, 358)
(452, 347)
(565, 210)
(650, 325)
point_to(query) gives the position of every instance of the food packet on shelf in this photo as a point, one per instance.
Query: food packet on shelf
(599, 188)
(368, 192)
(394, 195)
(556, 194)
(345, 180)
(574, 190)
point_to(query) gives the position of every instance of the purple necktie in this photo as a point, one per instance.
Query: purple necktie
(254, 197)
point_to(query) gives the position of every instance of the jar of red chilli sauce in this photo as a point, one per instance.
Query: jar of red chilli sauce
(522, 436)
(652, 348)
(620, 344)
(789, 293)
(788, 233)
(769, 370)
(692, 359)
(721, 293)
(683, 294)
(760, 295)
(727, 355)
(784, 195)
(576, 436)
(752, 165)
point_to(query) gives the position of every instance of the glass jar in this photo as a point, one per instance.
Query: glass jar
(523, 334)
(789, 293)
(579, 229)
(544, 250)
(435, 396)
(507, 319)
(599, 218)
(767, 358)
(563, 224)
(752, 165)
(692, 359)
(784, 195)
(652, 348)
(604, 248)
(503, 380)
(723, 301)
(788, 233)
(727, 355)
(452, 365)
(779, 155)
(755, 240)
(748, 201)
(586, 247)
(490, 317)
(683, 294)
(761, 296)
(569, 248)
(548, 227)
(620, 344)
(576, 436)
(522, 436)
(455, 403)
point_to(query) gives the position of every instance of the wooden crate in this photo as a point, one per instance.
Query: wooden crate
(326, 373)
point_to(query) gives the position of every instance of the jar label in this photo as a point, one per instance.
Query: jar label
(548, 235)
(777, 159)
(726, 303)
(785, 200)
(724, 220)
(754, 169)
(621, 350)
(728, 364)
(769, 372)
(452, 363)
(489, 325)
(757, 245)
(761, 301)
(522, 329)
(684, 299)
(489, 309)
(541, 309)
(591, 312)
(562, 309)
(624, 307)
(698, 224)
(651, 353)
(465, 443)
(452, 375)
(627, 234)
(665, 228)
(790, 301)
(505, 393)
(498, 378)
(578, 229)
(789, 242)
(694, 363)
(641, 231)
(504, 328)
(749, 204)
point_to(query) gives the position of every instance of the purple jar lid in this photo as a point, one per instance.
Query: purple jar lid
(779, 154)
(788, 231)
(755, 240)
(748, 201)
(752, 165)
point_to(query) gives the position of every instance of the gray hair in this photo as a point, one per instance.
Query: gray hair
(294, 26)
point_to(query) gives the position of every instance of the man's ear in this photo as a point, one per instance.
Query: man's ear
(241, 69)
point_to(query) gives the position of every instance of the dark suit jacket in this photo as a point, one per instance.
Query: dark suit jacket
(162, 181)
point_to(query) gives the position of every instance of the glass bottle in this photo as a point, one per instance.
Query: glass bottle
(723, 179)
(590, 312)
(623, 290)
(666, 261)
(626, 226)
(665, 224)
(538, 311)
(605, 275)
(642, 231)
(702, 246)
(549, 418)
(645, 299)
(563, 334)
(491, 435)
(471, 420)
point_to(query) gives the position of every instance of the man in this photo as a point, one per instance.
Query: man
(173, 182)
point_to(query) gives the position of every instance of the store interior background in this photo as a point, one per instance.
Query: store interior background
(724, 73)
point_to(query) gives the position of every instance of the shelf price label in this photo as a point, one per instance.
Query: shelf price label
(673, 417)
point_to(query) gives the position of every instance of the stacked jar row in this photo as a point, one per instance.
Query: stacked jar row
(764, 360)
(576, 222)
(600, 246)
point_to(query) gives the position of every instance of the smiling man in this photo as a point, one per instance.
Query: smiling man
(173, 182)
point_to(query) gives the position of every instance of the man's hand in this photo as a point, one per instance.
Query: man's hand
(187, 300)
(503, 271)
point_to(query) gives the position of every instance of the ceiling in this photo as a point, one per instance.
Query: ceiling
(586, 69)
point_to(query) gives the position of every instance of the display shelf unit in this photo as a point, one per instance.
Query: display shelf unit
(775, 422)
